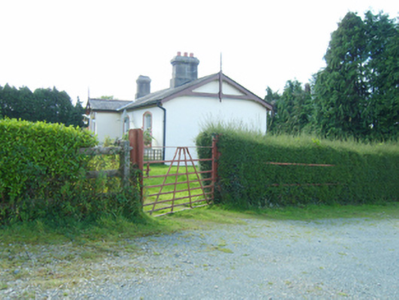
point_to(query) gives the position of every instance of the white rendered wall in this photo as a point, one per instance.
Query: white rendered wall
(136, 121)
(186, 116)
(107, 125)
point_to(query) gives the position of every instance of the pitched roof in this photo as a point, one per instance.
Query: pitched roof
(170, 93)
(155, 97)
(107, 105)
(185, 89)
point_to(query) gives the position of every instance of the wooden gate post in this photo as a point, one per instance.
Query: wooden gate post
(124, 164)
(136, 140)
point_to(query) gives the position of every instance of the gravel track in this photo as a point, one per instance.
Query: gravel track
(261, 259)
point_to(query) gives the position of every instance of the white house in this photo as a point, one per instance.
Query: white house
(175, 115)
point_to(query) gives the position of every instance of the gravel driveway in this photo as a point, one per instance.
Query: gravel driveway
(261, 259)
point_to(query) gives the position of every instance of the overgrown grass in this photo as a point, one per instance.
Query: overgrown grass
(301, 140)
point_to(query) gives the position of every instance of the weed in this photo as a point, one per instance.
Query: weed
(225, 250)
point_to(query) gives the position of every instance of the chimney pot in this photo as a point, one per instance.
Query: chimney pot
(178, 53)
(185, 69)
(143, 86)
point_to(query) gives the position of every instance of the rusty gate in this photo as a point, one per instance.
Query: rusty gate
(168, 186)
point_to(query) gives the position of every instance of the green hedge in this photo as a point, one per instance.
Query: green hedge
(43, 176)
(361, 173)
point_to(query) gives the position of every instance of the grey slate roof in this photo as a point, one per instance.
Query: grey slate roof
(153, 98)
(107, 105)
(156, 97)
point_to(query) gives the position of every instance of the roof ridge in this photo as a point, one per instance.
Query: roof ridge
(152, 98)
(110, 99)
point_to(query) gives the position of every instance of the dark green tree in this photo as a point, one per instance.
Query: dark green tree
(292, 110)
(340, 88)
(381, 114)
(16, 103)
(48, 105)
(55, 106)
(356, 95)
(272, 98)
(76, 115)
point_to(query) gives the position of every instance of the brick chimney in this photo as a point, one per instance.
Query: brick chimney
(143, 86)
(185, 69)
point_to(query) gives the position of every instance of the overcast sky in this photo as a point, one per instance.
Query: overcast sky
(105, 45)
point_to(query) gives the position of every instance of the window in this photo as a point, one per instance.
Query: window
(147, 121)
(147, 128)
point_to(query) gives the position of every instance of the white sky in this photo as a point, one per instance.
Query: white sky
(106, 45)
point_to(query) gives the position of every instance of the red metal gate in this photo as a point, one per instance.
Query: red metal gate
(173, 185)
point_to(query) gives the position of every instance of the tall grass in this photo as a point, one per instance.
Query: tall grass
(363, 172)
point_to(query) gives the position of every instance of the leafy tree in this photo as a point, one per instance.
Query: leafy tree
(55, 106)
(340, 88)
(272, 98)
(48, 105)
(76, 113)
(357, 93)
(381, 114)
(107, 97)
(13, 104)
(292, 110)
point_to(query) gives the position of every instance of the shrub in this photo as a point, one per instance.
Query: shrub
(362, 173)
(43, 176)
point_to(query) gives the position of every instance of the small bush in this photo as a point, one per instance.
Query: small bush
(362, 173)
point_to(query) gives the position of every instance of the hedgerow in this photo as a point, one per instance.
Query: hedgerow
(360, 173)
(42, 175)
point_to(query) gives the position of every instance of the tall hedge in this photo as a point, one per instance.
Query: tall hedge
(42, 174)
(360, 173)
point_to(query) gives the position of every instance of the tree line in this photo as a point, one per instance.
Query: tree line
(357, 93)
(48, 105)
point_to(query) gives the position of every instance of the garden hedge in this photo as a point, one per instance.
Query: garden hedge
(43, 176)
(360, 173)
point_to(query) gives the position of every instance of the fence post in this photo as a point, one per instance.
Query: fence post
(136, 140)
(124, 163)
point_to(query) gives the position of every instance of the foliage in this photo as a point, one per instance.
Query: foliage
(43, 176)
(357, 93)
(362, 173)
(48, 105)
(107, 97)
(292, 110)
(75, 115)
(272, 98)
(105, 162)
(147, 136)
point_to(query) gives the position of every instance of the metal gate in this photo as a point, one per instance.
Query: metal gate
(173, 185)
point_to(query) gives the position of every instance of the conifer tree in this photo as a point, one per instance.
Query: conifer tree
(357, 93)
(340, 88)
